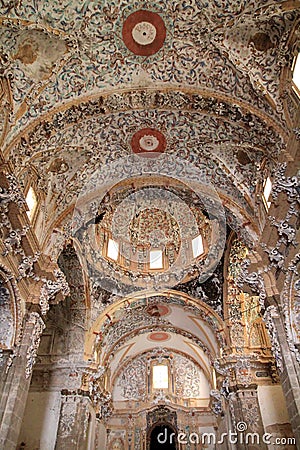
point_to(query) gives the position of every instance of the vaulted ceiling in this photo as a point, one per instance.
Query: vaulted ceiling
(107, 99)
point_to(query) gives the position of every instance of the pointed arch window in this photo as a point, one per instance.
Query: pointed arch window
(31, 200)
(267, 192)
(112, 249)
(197, 246)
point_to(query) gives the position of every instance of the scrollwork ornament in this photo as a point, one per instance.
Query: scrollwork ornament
(297, 133)
(12, 242)
(26, 266)
(285, 230)
(291, 305)
(38, 326)
(16, 195)
(100, 397)
(253, 279)
(288, 185)
(50, 288)
(216, 403)
(271, 313)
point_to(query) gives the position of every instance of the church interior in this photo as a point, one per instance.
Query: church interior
(149, 240)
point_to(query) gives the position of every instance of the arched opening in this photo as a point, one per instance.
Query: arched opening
(163, 436)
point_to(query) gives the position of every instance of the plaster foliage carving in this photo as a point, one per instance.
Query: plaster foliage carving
(70, 265)
(6, 318)
(237, 369)
(13, 193)
(67, 416)
(36, 323)
(109, 352)
(11, 313)
(291, 305)
(285, 230)
(244, 309)
(210, 292)
(50, 288)
(251, 411)
(243, 370)
(237, 256)
(133, 379)
(5, 105)
(100, 299)
(288, 185)
(115, 333)
(134, 319)
(216, 403)
(297, 133)
(100, 397)
(26, 268)
(138, 436)
(287, 227)
(90, 39)
(269, 315)
(187, 378)
(252, 279)
(12, 241)
(161, 415)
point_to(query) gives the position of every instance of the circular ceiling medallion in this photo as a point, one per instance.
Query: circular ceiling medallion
(148, 142)
(159, 336)
(158, 310)
(144, 33)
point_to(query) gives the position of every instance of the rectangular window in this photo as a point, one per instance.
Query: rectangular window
(267, 192)
(31, 201)
(112, 249)
(160, 377)
(156, 260)
(197, 244)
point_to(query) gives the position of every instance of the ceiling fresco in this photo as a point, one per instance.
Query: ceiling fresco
(151, 123)
(126, 322)
(232, 47)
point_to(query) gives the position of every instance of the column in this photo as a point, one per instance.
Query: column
(17, 382)
(73, 422)
(289, 376)
(247, 418)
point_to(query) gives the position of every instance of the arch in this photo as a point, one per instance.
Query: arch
(10, 310)
(162, 435)
(116, 444)
(161, 417)
(7, 319)
(105, 319)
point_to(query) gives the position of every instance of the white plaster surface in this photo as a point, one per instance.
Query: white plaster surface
(272, 405)
(40, 422)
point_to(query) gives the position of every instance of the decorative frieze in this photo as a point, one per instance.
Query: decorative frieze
(50, 288)
(36, 326)
(269, 315)
(288, 185)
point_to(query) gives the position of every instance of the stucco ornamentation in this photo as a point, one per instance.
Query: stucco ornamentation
(35, 321)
